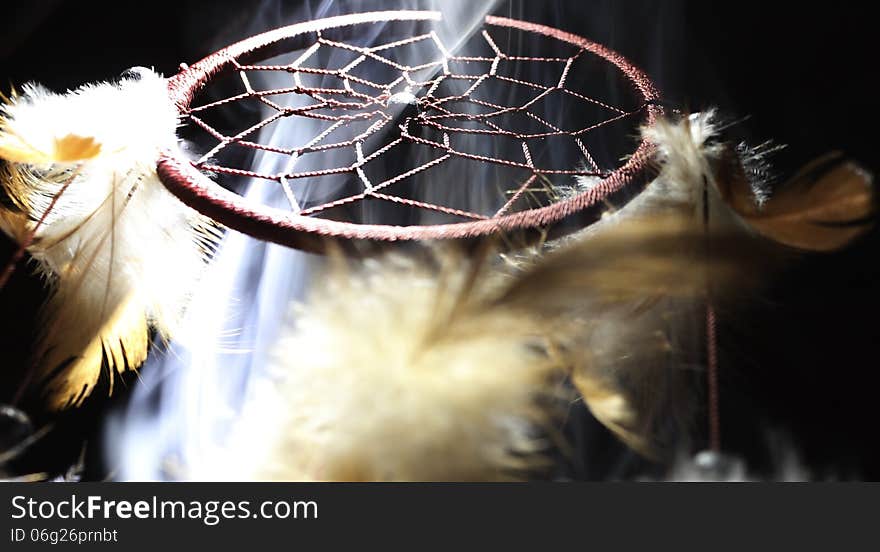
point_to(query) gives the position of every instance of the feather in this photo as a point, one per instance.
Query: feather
(401, 372)
(14, 224)
(644, 274)
(119, 253)
(407, 371)
(649, 268)
(685, 149)
(404, 372)
(66, 149)
(826, 205)
(625, 298)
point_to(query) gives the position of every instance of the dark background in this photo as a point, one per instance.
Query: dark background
(798, 363)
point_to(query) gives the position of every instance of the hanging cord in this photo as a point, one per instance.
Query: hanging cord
(714, 420)
(712, 381)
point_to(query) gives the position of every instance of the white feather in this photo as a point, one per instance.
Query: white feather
(118, 249)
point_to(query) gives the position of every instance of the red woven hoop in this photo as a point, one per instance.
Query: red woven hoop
(267, 223)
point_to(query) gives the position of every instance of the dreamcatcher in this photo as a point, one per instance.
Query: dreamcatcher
(584, 244)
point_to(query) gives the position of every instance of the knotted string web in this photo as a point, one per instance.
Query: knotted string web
(373, 128)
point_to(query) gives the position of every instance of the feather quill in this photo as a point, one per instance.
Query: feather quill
(118, 252)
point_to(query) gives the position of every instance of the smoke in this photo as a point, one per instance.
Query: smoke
(203, 406)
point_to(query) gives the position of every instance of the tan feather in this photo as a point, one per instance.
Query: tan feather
(118, 341)
(14, 224)
(397, 371)
(623, 300)
(826, 205)
(643, 275)
(664, 254)
(401, 371)
(65, 149)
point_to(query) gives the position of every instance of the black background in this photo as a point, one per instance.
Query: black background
(801, 359)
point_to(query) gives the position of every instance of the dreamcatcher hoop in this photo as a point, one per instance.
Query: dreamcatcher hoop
(187, 180)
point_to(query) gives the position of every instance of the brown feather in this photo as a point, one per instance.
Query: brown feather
(660, 255)
(622, 302)
(825, 206)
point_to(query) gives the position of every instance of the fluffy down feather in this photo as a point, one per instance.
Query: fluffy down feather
(119, 252)
(402, 372)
